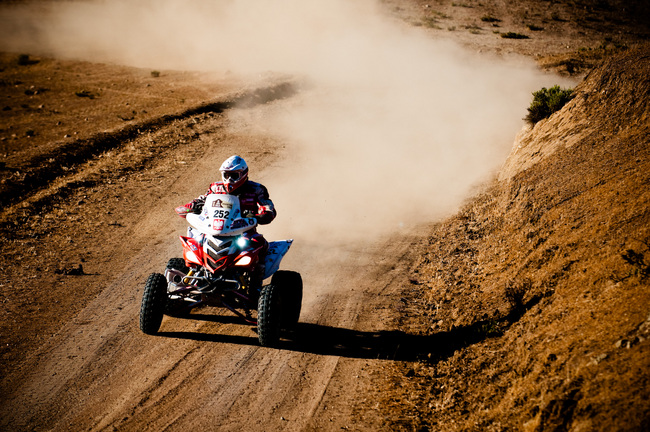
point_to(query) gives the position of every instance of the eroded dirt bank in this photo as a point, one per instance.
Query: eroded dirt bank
(536, 295)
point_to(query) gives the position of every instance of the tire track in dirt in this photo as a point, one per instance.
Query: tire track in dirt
(129, 381)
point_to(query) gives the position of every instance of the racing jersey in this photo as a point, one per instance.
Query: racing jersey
(253, 198)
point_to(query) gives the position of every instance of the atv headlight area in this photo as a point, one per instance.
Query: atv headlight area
(242, 242)
(191, 257)
(244, 261)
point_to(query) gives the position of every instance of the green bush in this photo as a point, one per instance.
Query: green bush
(546, 102)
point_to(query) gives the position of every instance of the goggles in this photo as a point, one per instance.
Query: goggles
(231, 175)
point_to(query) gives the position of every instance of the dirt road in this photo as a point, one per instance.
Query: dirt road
(97, 371)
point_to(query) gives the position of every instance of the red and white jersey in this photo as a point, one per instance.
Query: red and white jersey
(253, 197)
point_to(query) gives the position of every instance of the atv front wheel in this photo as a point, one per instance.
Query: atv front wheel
(279, 307)
(268, 316)
(154, 300)
(290, 283)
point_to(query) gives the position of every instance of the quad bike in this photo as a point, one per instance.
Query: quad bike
(221, 267)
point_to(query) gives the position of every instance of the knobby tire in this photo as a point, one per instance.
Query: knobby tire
(268, 316)
(154, 300)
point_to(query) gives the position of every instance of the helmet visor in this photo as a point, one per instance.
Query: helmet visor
(231, 175)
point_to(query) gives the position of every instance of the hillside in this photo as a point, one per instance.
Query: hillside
(536, 296)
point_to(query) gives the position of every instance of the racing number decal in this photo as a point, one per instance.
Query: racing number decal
(221, 213)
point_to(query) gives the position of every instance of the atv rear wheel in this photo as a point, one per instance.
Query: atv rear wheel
(177, 264)
(154, 300)
(177, 307)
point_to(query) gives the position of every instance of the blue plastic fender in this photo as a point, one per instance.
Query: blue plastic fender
(277, 250)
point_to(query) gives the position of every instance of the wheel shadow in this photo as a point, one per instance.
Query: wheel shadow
(394, 345)
(336, 341)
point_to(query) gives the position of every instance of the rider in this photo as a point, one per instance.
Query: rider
(253, 199)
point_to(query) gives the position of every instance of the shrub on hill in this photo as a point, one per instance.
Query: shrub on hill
(546, 102)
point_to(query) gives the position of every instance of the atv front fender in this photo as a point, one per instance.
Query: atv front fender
(277, 250)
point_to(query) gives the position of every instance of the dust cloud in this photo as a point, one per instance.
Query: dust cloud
(393, 128)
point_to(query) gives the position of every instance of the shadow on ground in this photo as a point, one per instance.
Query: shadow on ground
(384, 344)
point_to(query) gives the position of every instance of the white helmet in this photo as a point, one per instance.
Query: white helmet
(234, 172)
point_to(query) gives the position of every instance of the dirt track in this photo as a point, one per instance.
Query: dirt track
(92, 368)
(99, 371)
(74, 357)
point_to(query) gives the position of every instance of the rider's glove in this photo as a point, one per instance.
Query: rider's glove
(264, 217)
(183, 210)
